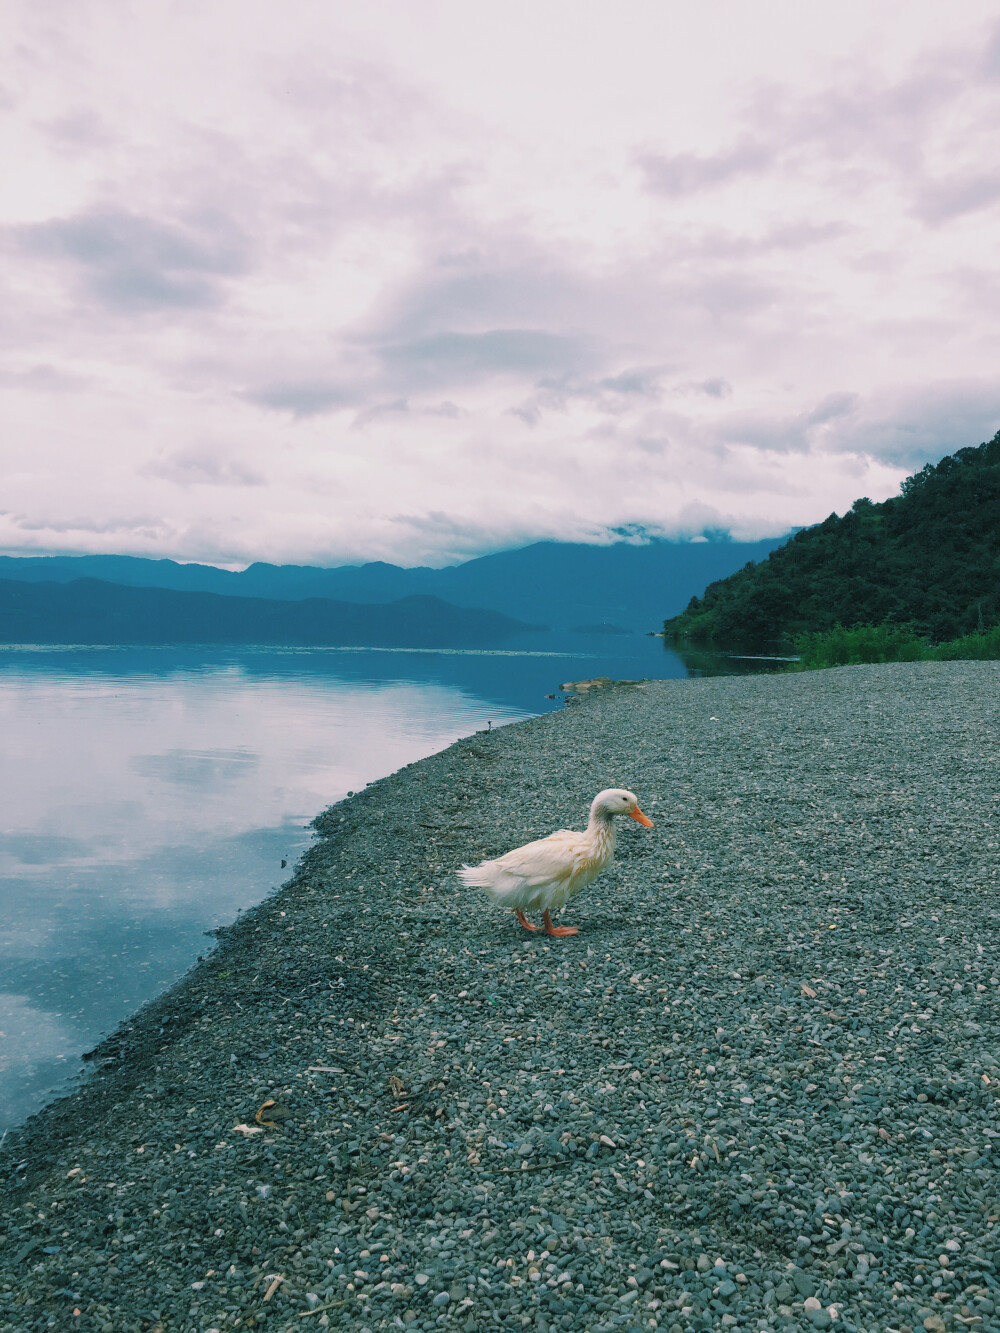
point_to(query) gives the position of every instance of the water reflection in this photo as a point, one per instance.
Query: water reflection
(150, 794)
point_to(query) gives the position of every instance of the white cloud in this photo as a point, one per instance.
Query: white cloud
(129, 264)
(202, 466)
(688, 173)
(296, 282)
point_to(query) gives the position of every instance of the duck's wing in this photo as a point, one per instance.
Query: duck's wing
(545, 861)
(515, 877)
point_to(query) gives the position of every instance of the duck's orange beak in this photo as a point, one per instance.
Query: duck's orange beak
(640, 818)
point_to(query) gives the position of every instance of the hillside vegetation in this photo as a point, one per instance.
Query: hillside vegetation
(928, 559)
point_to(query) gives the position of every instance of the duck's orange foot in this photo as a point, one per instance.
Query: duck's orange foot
(550, 929)
(524, 920)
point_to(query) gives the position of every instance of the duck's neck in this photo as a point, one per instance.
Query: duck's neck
(601, 829)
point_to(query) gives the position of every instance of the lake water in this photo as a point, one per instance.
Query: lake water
(148, 795)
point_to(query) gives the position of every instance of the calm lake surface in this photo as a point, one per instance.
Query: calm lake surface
(150, 794)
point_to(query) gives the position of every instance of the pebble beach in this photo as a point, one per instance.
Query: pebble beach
(760, 1089)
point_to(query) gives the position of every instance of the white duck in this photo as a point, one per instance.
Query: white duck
(547, 873)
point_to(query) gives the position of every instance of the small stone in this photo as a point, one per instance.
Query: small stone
(704, 1263)
(784, 1292)
(820, 1318)
(421, 1279)
(934, 1324)
(804, 1284)
(608, 1143)
(953, 1246)
(728, 1288)
(441, 1299)
(812, 1303)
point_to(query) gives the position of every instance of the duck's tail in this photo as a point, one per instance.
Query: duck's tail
(476, 877)
(500, 884)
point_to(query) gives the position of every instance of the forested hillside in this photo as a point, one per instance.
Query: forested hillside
(929, 557)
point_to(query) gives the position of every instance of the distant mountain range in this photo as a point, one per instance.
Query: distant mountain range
(91, 611)
(562, 585)
(928, 558)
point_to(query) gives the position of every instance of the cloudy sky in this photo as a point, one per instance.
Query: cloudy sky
(416, 279)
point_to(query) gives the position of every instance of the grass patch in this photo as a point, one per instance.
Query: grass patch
(889, 643)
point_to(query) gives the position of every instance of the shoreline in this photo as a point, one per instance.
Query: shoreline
(461, 1102)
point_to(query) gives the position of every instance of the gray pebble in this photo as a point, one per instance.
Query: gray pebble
(804, 1284)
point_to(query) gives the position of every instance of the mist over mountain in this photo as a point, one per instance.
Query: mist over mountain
(89, 611)
(560, 584)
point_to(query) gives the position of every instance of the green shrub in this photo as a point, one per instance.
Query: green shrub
(862, 643)
(889, 643)
(983, 647)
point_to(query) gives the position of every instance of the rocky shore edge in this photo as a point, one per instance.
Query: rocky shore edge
(760, 1089)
